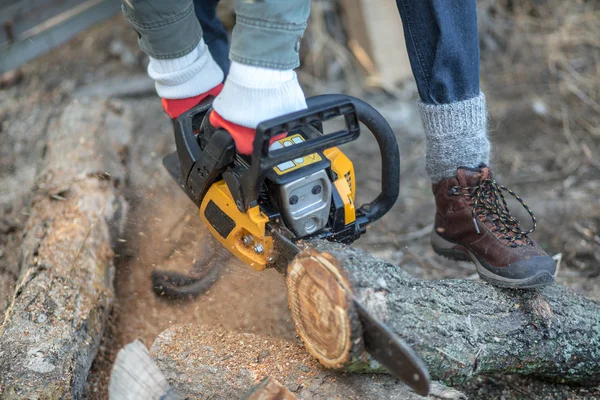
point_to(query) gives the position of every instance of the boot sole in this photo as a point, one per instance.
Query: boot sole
(456, 252)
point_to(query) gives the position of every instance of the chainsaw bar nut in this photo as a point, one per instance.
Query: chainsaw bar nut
(258, 248)
(248, 240)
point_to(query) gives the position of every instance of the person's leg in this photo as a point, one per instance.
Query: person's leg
(262, 83)
(180, 63)
(215, 34)
(443, 49)
(472, 221)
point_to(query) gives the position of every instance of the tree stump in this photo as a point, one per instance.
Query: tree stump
(460, 328)
(55, 320)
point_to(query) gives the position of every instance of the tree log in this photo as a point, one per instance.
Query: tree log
(460, 328)
(57, 315)
(208, 362)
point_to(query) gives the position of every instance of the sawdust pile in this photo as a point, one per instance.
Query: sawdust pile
(193, 346)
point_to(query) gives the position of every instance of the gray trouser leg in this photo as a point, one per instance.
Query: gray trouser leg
(166, 29)
(267, 33)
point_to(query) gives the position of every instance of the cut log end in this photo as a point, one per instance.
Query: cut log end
(322, 310)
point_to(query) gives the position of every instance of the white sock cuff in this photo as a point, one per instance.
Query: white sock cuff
(252, 95)
(187, 76)
(258, 77)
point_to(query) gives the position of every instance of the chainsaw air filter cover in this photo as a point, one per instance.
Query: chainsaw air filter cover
(301, 189)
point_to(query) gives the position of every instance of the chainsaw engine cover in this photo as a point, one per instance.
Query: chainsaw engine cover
(301, 189)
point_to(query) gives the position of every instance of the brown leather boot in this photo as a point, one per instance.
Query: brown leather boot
(473, 223)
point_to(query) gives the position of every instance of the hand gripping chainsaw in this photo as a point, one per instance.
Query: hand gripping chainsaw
(297, 186)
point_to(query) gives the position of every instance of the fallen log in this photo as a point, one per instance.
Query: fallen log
(460, 328)
(55, 320)
(202, 362)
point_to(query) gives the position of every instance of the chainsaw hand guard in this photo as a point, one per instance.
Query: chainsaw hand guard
(308, 122)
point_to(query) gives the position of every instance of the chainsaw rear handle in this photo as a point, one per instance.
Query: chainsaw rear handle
(188, 149)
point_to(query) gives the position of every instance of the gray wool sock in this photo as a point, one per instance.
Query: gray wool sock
(456, 136)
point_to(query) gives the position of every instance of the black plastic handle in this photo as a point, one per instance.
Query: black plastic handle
(388, 147)
(263, 159)
(186, 142)
(303, 119)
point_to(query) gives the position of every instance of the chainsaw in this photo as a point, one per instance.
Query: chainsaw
(297, 186)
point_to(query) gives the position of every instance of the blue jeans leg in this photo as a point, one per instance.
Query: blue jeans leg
(443, 48)
(215, 34)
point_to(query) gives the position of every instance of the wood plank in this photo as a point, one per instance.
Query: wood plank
(375, 30)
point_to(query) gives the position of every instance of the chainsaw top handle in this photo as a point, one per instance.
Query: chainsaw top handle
(309, 122)
(320, 109)
(388, 149)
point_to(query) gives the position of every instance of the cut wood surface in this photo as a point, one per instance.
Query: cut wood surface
(209, 362)
(460, 328)
(55, 320)
(270, 389)
(135, 376)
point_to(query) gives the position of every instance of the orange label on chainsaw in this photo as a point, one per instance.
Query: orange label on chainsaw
(296, 163)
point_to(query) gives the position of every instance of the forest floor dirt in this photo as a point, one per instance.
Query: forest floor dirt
(532, 156)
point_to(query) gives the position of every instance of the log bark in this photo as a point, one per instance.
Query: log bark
(55, 319)
(460, 328)
(21, 149)
(208, 362)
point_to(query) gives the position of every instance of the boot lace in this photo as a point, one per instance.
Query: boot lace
(489, 205)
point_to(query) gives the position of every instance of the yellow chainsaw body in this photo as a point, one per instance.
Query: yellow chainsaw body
(230, 226)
